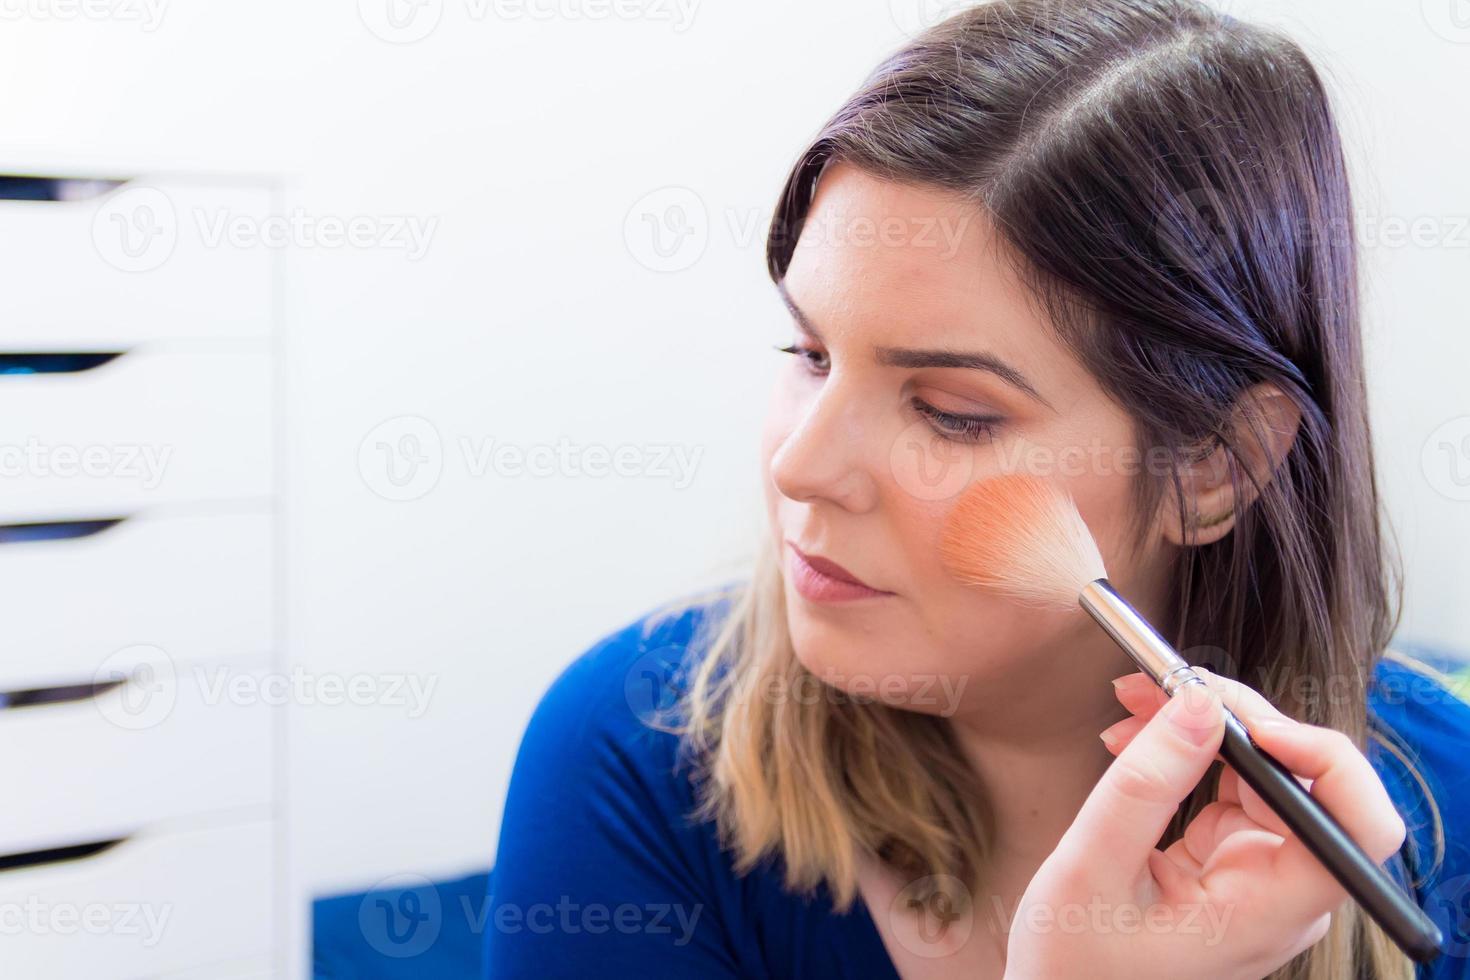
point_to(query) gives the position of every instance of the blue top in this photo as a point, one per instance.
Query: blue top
(600, 872)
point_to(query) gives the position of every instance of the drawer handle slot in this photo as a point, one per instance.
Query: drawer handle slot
(55, 530)
(57, 855)
(30, 697)
(19, 187)
(67, 363)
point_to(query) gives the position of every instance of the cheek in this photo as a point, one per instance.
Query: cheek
(928, 470)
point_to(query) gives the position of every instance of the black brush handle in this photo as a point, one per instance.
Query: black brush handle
(1369, 885)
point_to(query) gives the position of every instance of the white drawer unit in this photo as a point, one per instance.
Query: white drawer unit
(179, 740)
(142, 682)
(198, 586)
(136, 260)
(148, 428)
(174, 899)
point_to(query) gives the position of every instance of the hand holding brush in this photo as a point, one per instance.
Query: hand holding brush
(1270, 855)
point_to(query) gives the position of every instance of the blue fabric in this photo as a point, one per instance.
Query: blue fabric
(594, 823)
(600, 874)
(416, 929)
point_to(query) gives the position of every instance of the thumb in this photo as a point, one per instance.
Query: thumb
(1127, 811)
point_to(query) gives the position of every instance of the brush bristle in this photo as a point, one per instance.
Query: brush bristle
(1023, 537)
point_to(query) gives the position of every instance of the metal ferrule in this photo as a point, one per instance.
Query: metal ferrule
(1150, 651)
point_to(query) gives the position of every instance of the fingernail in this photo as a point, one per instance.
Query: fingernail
(1194, 712)
(1110, 735)
(1129, 680)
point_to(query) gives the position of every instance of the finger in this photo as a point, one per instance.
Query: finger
(1116, 737)
(1215, 824)
(1177, 880)
(1256, 808)
(1178, 852)
(1139, 694)
(1128, 809)
(1228, 789)
(1346, 785)
(1244, 701)
(1312, 752)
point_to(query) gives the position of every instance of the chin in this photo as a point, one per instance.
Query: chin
(872, 656)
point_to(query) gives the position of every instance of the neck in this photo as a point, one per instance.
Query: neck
(1034, 743)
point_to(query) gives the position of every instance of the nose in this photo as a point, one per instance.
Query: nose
(826, 456)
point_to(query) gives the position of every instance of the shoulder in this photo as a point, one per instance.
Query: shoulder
(615, 692)
(599, 864)
(1421, 723)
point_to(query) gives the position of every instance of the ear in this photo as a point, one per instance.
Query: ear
(1263, 426)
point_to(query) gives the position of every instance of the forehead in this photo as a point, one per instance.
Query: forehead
(899, 264)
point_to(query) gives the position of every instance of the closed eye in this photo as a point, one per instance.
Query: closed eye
(958, 428)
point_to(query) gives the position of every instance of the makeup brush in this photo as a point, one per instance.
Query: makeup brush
(1023, 537)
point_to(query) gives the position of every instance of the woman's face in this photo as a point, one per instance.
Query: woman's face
(921, 368)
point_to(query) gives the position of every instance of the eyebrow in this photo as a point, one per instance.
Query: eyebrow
(914, 357)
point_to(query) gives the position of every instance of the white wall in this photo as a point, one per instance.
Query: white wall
(528, 319)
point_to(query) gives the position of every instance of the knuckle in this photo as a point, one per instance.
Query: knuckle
(1294, 942)
(1340, 743)
(1319, 930)
(1388, 837)
(1139, 779)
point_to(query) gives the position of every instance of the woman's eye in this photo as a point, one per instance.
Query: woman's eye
(816, 361)
(960, 428)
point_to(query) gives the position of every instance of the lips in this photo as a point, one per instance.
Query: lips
(823, 580)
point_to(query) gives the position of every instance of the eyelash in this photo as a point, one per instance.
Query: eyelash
(958, 428)
(808, 354)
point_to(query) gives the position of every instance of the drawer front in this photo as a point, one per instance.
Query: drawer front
(174, 741)
(152, 905)
(152, 427)
(199, 588)
(152, 259)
